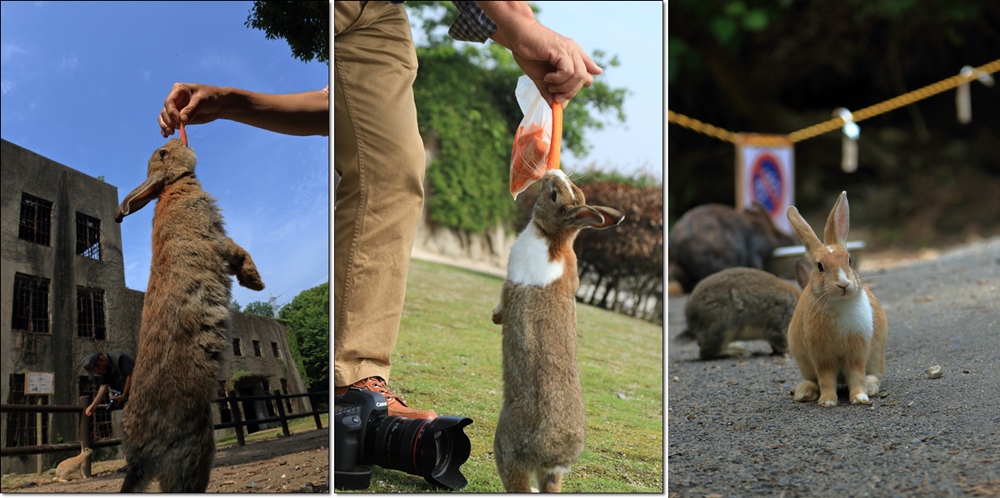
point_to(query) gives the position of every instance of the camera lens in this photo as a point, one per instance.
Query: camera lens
(434, 449)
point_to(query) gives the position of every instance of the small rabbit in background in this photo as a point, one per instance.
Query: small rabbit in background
(741, 304)
(712, 237)
(839, 331)
(73, 467)
(185, 332)
(540, 431)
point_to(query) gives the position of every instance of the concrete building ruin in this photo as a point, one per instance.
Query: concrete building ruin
(64, 296)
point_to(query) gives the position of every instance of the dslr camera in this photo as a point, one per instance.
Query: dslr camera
(364, 434)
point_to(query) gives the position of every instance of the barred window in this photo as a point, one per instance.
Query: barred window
(236, 347)
(36, 219)
(88, 236)
(90, 313)
(101, 426)
(256, 348)
(21, 426)
(30, 311)
(274, 349)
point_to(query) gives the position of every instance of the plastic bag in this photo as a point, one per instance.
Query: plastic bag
(537, 139)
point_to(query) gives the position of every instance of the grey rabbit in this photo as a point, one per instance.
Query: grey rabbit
(713, 237)
(741, 304)
(185, 331)
(540, 431)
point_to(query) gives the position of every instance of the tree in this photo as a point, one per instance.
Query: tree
(260, 308)
(304, 25)
(465, 97)
(308, 320)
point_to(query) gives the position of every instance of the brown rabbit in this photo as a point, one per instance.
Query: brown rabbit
(185, 331)
(740, 304)
(73, 467)
(540, 430)
(838, 332)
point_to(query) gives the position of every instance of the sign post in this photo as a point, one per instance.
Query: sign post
(765, 174)
(39, 384)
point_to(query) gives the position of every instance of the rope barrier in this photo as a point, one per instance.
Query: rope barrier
(838, 122)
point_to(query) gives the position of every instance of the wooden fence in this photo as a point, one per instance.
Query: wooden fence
(232, 400)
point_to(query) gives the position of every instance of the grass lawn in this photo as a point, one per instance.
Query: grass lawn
(448, 357)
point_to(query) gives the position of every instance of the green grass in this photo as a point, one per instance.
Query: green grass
(304, 424)
(448, 357)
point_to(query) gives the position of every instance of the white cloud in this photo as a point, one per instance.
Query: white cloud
(69, 63)
(6, 86)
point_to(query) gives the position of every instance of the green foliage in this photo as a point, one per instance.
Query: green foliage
(304, 25)
(260, 308)
(308, 320)
(235, 306)
(637, 179)
(240, 375)
(464, 94)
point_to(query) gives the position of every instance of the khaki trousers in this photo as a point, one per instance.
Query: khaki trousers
(379, 155)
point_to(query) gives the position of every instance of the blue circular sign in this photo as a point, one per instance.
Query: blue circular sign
(767, 183)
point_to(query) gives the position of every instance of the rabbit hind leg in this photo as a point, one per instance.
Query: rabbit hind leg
(549, 480)
(806, 391)
(515, 479)
(136, 479)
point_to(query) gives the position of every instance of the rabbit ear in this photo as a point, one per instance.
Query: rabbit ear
(839, 222)
(804, 231)
(142, 195)
(598, 217)
(802, 270)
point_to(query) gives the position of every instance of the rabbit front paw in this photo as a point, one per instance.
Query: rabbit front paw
(861, 399)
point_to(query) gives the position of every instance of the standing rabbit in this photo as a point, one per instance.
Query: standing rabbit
(838, 332)
(740, 304)
(185, 332)
(540, 430)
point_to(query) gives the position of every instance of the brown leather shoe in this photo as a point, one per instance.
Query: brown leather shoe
(397, 407)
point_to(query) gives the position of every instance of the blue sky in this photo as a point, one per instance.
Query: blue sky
(83, 82)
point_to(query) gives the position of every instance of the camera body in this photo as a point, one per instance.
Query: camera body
(365, 434)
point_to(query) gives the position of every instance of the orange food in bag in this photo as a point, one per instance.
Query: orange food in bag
(535, 151)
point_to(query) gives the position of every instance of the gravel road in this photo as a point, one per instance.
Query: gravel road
(733, 429)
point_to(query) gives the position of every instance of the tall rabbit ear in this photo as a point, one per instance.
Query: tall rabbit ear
(598, 217)
(142, 195)
(839, 222)
(803, 230)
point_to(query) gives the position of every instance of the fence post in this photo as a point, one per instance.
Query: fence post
(237, 418)
(315, 412)
(281, 413)
(85, 432)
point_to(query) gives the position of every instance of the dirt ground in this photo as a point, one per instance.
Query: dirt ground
(299, 463)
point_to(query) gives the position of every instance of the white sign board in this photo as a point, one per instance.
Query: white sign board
(765, 173)
(39, 383)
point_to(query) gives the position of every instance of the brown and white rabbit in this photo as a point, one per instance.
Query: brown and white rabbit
(540, 431)
(712, 237)
(185, 331)
(839, 331)
(740, 304)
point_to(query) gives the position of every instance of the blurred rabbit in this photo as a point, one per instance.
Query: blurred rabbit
(740, 304)
(839, 331)
(713, 237)
(185, 332)
(73, 467)
(540, 431)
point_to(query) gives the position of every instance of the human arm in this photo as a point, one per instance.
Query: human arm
(124, 395)
(97, 399)
(303, 114)
(557, 64)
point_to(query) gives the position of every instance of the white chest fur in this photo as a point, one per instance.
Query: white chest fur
(529, 260)
(855, 316)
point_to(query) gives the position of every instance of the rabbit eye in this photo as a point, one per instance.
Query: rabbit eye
(850, 262)
(163, 153)
(555, 193)
(820, 267)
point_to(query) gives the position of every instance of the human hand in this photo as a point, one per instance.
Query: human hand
(190, 103)
(89, 411)
(118, 399)
(557, 64)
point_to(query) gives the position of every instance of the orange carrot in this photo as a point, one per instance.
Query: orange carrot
(184, 135)
(557, 124)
